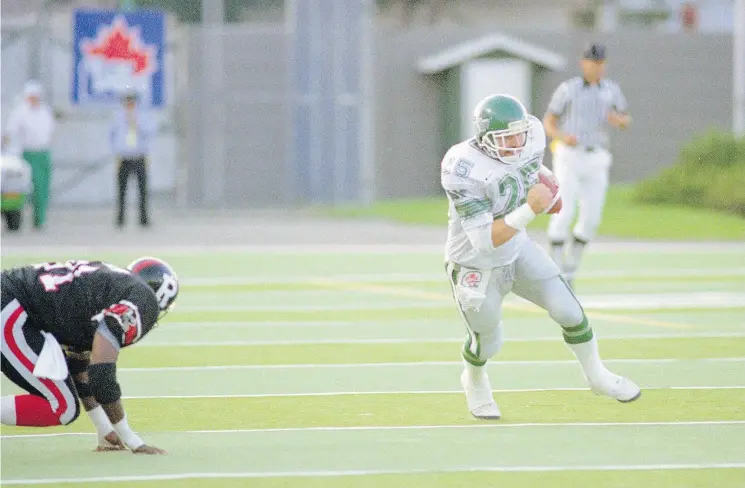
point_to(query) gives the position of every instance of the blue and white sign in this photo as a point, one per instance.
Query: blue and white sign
(116, 51)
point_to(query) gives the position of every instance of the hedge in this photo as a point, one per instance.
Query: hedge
(709, 173)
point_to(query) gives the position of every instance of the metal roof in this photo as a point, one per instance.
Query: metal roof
(460, 53)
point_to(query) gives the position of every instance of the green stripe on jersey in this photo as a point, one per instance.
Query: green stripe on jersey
(472, 208)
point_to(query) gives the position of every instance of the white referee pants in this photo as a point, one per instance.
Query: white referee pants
(583, 180)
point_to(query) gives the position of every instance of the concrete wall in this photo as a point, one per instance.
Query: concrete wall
(677, 86)
(240, 114)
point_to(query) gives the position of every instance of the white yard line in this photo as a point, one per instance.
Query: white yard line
(404, 323)
(441, 278)
(372, 305)
(618, 301)
(408, 340)
(597, 248)
(294, 474)
(399, 392)
(492, 364)
(293, 342)
(311, 279)
(643, 301)
(479, 426)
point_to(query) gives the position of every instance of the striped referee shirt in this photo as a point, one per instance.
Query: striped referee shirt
(583, 108)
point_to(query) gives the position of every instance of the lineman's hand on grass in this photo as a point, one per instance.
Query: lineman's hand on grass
(111, 442)
(145, 449)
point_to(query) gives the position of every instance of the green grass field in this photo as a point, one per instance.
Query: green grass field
(342, 369)
(622, 217)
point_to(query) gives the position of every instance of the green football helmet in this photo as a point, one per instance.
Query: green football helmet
(496, 119)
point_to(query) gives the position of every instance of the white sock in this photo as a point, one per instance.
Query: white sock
(575, 256)
(557, 253)
(589, 358)
(475, 373)
(8, 410)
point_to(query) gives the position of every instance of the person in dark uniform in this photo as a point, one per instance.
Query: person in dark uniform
(92, 309)
(131, 134)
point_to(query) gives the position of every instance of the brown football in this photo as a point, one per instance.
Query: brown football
(554, 190)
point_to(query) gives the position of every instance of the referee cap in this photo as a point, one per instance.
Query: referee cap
(594, 52)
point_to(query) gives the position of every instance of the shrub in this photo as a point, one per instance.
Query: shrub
(709, 173)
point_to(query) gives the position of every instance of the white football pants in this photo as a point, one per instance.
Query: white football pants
(583, 179)
(533, 276)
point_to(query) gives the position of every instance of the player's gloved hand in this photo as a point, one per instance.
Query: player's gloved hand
(539, 198)
(145, 449)
(110, 442)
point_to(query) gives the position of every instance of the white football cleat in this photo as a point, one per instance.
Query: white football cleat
(479, 397)
(622, 389)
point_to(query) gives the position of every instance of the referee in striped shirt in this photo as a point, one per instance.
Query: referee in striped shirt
(580, 112)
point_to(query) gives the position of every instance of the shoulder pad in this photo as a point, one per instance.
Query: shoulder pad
(465, 166)
(537, 136)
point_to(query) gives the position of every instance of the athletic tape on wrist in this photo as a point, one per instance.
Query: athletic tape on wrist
(100, 420)
(129, 437)
(520, 217)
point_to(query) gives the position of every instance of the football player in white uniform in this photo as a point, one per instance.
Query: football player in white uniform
(492, 185)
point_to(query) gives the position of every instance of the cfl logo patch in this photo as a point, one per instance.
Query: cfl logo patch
(472, 279)
(167, 291)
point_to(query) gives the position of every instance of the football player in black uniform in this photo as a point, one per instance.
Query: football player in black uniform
(93, 309)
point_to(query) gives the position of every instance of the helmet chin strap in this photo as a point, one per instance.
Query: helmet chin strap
(495, 149)
(491, 152)
(512, 158)
(495, 153)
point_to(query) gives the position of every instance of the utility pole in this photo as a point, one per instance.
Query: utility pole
(738, 70)
(212, 100)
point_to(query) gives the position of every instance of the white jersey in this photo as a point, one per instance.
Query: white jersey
(481, 189)
(30, 129)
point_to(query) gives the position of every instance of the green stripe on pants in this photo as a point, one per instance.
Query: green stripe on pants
(472, 339)
(578, 334)
(41, 174)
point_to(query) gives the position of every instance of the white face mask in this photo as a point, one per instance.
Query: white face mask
(507, 145)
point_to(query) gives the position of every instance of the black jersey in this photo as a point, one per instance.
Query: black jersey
(70, 300)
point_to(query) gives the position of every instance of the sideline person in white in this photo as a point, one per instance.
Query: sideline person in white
(580, 111)
(29, 133)
(491, 181)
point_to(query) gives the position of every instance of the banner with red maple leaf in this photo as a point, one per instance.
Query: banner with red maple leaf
(116, 52)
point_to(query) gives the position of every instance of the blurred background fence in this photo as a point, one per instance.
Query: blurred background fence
(239, 128)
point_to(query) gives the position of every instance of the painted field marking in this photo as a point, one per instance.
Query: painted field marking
(328, 474)
(398, 392)
(474, 425)
(420, 364)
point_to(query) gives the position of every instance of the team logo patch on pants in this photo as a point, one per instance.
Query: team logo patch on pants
(472, 279)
